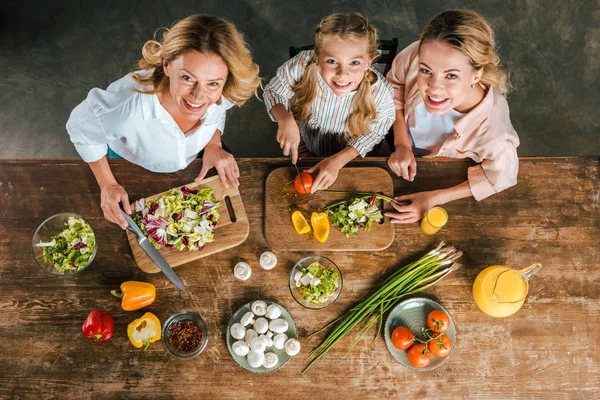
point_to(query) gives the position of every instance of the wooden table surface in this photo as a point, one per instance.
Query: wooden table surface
(549, 349)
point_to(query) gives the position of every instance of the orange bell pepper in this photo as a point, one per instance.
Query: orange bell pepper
(135, 295)
(320, 225)
(144, 331)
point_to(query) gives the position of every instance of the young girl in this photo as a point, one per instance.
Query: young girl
(449, 95)
(161, 116)
(342, 105)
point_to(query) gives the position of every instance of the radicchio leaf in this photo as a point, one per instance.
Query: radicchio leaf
(176, 216)
(153, 208)
(79, 245)
(186, 190)
(208, 205)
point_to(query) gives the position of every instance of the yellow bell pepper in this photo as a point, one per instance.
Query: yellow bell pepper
(300, 223)
(144, 331)
(135, 295)
(320, 225)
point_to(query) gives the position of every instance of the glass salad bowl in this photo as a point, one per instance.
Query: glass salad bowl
(315, 282)
(64, 244)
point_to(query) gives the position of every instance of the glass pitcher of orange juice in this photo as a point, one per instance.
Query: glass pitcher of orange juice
(500, 291)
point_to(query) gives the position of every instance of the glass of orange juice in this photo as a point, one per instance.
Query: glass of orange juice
(434, 220)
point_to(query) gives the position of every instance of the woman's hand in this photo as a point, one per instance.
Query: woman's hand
(224, 163)
(288, 137)
(420, 203)
(402, 162)
(111, 195)
(328, 170)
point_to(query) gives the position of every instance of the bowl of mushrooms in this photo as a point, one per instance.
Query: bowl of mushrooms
(262, 337)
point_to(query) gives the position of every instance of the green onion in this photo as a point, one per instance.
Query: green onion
(413, 278)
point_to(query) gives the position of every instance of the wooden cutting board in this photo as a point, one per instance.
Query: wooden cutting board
(279, 206)
(231, 230)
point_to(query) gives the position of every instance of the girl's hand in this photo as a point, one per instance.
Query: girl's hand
(420, 203)
(288, 137)
(224, 163)
(111, 195)
(402, 163)
(328, 169)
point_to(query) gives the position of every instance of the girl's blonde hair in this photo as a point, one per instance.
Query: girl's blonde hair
(471, 34)
(353, 26)
(206, 35)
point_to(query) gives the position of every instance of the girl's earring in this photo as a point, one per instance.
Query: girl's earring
(473, 86)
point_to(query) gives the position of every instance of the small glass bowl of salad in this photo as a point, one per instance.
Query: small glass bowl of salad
(316, 282)
(64, 244)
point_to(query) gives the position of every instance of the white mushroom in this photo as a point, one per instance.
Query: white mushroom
(292, 347)
(261, 325)
(273, 311)
(250, 334)
(259, 308)
(247, 319)
(240, 348)
(268, 260)
(242, 271)
(278, 325)
(258, 344)
(268, 340)
(256, 358)
(279, 340)
(270, 360)
(270, 334)
(238, 331)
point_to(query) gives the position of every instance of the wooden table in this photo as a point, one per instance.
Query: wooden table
(549, 349)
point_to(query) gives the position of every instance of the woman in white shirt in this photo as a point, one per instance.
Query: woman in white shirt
(161, 116)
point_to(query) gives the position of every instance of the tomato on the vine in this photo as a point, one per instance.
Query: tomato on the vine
(439, 346)
(438, 321)
(402, 338)
(303, 183)
(419, 356)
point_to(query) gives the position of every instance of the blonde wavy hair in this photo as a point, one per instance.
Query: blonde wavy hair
(353, 26)
(206, 35)
(471, 34)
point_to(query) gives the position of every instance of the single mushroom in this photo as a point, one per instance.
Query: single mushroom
(278, 325)
(270, 334)
(268, 260)
(250, 334)
(268, 340)
(242, 271)
(238, 331)
(273, 311)
(259, 308)
(292, 347)
(256, 358)
(261, 325)
(240, 348)
(258, 344)
(247, 319)
(270, 360)
(279, 340)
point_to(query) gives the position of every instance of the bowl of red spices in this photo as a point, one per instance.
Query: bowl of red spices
(184, 335)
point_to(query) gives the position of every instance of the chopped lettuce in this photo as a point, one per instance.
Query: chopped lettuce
(72, 248)
(316, 283)
(181, 218)
(355, 214)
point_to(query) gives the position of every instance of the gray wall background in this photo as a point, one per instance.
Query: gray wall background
(53, 52)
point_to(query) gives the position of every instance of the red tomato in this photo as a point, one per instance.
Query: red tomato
(303, 183)
(418, 355)
(440, 346)
(438, 321)
(402, 338)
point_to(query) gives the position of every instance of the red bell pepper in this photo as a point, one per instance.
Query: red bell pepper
(98, 326)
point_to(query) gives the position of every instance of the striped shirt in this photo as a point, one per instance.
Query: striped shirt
(323, 131)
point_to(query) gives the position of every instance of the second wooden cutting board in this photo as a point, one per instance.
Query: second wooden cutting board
(280, 204)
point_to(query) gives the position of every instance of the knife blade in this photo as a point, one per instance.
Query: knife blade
(154, 255)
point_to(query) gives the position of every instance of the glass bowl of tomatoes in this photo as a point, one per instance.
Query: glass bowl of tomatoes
(420, 334)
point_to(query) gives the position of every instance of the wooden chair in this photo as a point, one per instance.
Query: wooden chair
(383, 63)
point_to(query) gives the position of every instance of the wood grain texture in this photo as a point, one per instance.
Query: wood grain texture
(230, 231)
(548, 350)
(281, 201)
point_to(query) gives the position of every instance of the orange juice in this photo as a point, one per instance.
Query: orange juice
(499, 295)
(434, 220)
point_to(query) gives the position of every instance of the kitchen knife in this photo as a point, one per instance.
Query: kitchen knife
(153, 253)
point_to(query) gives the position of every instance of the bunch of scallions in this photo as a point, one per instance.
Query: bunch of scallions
(413, 278)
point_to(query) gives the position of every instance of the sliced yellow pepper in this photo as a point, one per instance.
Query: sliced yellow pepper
(135, 295)
(300, 223)
(144, 331)
(320, 225)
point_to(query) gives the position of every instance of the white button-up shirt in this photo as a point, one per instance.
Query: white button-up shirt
(138, 128)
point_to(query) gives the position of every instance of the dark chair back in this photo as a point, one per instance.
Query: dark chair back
(383, 63)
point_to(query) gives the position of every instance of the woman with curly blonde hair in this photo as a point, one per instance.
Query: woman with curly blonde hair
(163, 115)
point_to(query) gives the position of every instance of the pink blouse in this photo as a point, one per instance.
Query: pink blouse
(484, 135)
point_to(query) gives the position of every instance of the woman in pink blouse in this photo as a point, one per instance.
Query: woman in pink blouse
(449, 94)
